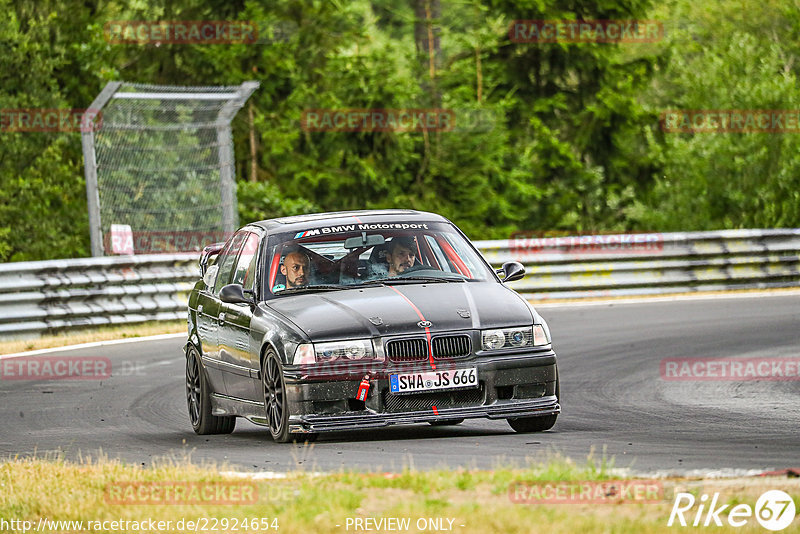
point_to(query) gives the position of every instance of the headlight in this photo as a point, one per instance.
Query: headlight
(513, 338)
(493, 339)
(353, 350)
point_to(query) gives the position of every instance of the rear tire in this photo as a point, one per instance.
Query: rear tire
(198, 400)
(533, 424)
(299, 437)
(451, 422)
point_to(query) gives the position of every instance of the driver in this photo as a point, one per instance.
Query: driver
(296, 268)
(401, 253)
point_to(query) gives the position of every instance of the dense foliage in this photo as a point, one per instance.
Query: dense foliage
(555, 136)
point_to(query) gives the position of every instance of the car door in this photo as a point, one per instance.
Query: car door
(240, 364)
(208, 310)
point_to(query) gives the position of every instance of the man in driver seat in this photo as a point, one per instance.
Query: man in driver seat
(296, 268)
(401, 253)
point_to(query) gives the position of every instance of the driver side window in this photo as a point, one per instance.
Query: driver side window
(227, 260)
(245, 272)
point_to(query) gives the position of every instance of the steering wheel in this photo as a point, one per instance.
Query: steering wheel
(417, 268)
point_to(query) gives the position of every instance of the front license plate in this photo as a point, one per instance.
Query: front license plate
(434, 380)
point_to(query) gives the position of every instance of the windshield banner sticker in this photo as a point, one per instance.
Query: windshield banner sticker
(355, 227)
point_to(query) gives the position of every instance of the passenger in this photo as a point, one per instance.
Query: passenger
(296, 267)
(401, 253)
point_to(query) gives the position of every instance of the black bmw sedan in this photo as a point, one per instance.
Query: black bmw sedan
(362, 319)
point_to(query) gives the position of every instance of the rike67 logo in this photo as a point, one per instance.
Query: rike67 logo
(774, 510)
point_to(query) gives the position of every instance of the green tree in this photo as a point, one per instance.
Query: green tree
(726, 56)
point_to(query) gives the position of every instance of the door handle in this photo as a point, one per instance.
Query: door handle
(222, 318)
(200, 308)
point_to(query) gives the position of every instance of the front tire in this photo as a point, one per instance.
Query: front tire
(198, 400)
(276, 404)
(540, 423)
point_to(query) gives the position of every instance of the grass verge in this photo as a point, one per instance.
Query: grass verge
(98, 492)
(89, 335)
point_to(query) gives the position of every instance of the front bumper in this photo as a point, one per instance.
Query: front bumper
(515, 385)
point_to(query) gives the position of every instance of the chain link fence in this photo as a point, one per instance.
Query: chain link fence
(159, 161)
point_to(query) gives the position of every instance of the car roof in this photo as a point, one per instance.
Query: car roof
(312, 220)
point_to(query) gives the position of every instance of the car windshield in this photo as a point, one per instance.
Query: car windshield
(327, 258)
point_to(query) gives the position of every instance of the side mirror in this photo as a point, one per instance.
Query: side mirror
(209, 252)
(234, 294)
(511, 270)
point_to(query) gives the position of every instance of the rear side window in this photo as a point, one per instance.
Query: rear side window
(227, 260)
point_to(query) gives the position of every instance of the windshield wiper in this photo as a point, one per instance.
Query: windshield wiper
(400, 280)
(306, 289)
(432, 279)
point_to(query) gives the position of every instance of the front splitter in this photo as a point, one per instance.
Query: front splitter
(369, 419)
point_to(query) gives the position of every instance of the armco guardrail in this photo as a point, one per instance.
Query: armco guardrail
(47, 296)
(646, 264)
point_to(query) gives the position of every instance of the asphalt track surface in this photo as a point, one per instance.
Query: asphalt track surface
(614, 400)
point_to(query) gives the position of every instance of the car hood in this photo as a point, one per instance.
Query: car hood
(391, 310)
